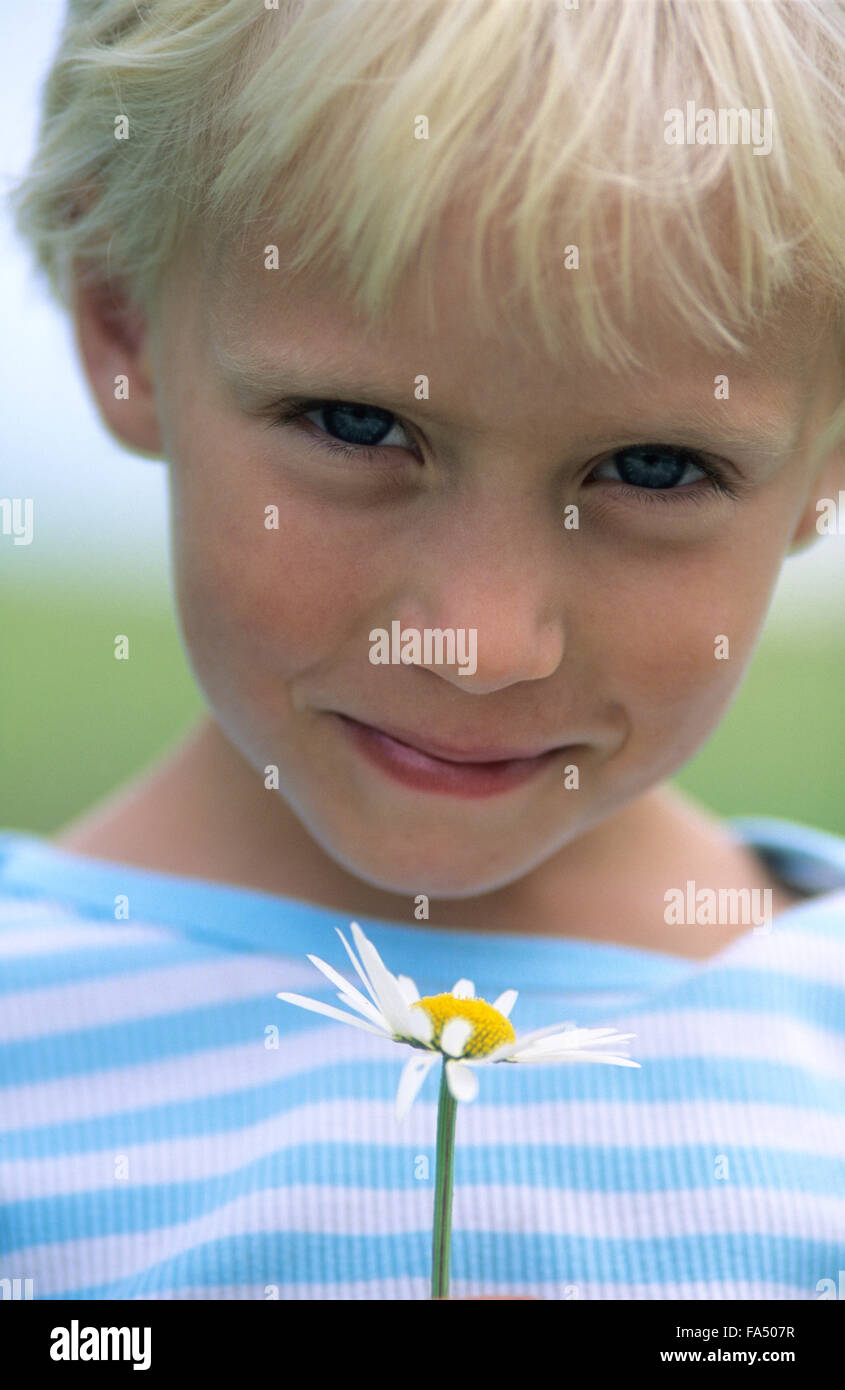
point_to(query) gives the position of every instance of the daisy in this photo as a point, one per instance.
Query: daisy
(462, 1030)
(465, 1031)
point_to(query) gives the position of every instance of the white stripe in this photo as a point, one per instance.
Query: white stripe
(591, 1124)
(192, 1076)
(77, 935)
(19, 910)
(720, 1207)
(806, 955)
(148, 993)
(760, 1037)
(397, 1289)
(401, 1289)
(379, 1211)
(215, 1071)
(567, 1003)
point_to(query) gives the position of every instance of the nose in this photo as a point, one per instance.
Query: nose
(491, 574)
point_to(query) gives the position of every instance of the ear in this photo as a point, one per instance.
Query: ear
(113, 340)
(827, 483)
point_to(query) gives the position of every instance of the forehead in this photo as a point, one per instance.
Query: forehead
(266, 319)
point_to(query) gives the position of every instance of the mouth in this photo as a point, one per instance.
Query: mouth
(429, 766)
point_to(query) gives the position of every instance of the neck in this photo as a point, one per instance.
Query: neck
(204, 812)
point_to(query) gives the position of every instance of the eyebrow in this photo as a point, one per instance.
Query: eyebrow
(258, 380)
(254, 379)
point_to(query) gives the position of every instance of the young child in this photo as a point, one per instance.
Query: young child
(495, 351)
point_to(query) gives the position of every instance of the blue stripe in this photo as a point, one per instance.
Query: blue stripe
(123, 1207)
(724, 1079)
(129, 1042)
(101, 962)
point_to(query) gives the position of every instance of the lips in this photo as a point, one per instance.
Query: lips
(425, 766)
(451, 753)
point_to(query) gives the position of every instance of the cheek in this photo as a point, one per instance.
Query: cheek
(683, 633)
(270, 590)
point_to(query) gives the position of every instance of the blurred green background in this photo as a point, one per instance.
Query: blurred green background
(76, 722)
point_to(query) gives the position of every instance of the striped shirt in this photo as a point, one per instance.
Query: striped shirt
(170, 1129)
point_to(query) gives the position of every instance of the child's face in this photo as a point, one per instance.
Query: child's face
(603, 640)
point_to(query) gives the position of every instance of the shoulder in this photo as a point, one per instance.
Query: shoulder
(48, 912)
(807, 941)
(40, 927)
(809, 860)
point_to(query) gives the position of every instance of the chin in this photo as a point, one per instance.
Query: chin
(409, 872)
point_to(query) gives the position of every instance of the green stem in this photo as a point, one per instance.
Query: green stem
(447, 1111)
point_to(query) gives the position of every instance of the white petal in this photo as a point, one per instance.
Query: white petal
(506, 1001)
(537, 1057)
(389, 1000)
(577, 1045)
(420, 1026)
(410, 1082)
(464, 989)
(556, 1042)
(410, 993)
(349, 994)
(455, 1036)
(462, 1082)
(577, 1040)
(595, 1036)
(331, 1012)
(358, 968)
(559, 1029)
(500, 1054)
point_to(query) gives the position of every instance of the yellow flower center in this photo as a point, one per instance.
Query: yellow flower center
(491, 1029)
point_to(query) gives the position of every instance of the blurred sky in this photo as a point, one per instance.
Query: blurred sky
(100, 515)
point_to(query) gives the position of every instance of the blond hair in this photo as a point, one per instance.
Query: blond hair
(547, 115)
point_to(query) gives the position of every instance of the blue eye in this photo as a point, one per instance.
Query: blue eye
(349, 429)
(367, 424)
(653, 466)
(660, 470)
